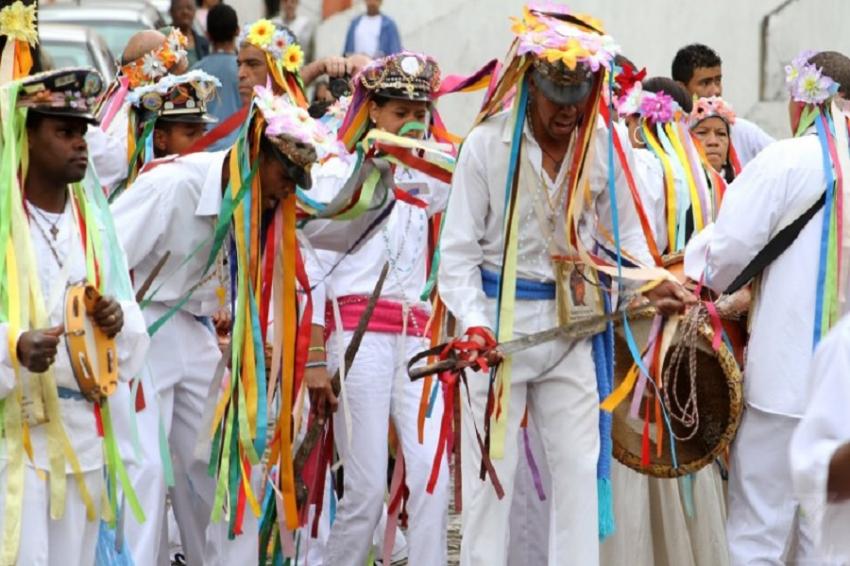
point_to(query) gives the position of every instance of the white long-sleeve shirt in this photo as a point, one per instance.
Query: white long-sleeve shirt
(474, 223)
(748, 140)
(402, 241)
(108, 149)
(131, 343)
(823, 429)
(779, 185)
(174, 207)
(649, 176)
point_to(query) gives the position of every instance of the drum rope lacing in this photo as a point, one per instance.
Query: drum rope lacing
(684, 412)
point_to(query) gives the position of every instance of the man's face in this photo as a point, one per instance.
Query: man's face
(706, 82)
(394, 114)
(558, 120)
(288, 8)
(253, 71)
(373, 6)
(275, 182)
(182, 13)
(58, 148)
(171, 138)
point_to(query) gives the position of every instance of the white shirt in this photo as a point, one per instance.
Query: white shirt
(403, 242)
(649, 176)
(108, 150)
(132, 342)
(781, 183)
(748, 140)
(823, 429)
(174, 207)
(474, 223)
(367, 35)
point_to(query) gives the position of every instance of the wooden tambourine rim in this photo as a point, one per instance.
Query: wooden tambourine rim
(98, 387)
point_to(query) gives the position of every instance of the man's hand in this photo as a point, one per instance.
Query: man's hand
(323, 402)
(670, 298)
(37, 348)
(108, 316)
(494, 356)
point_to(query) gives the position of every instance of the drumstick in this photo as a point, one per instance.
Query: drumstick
(140, 295)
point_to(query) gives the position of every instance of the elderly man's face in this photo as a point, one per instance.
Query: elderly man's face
(557, 120)
(253, 71)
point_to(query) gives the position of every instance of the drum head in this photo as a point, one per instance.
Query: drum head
(719, 401)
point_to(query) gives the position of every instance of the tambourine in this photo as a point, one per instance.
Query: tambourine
(93, 355)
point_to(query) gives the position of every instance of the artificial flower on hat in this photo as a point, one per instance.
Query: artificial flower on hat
(711, 107)
(277, 41)
(806, 82)
(155, 64)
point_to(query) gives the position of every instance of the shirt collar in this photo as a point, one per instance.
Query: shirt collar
(209, 204)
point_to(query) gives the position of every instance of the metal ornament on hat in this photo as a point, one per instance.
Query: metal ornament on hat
(406, 73)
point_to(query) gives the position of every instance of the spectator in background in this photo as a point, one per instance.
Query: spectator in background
(183, 18)
(373, 33)
(222, 29)
(204, 7)
(303, 27)
(698, 68)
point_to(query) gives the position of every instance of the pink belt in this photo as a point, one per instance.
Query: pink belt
(388, 316)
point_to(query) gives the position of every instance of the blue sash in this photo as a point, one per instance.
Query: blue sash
(526, 289)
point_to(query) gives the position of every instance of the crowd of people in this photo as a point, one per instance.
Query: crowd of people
(611, 316)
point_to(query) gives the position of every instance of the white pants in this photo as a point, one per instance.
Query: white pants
(529, 526)
(762, 509)
(563, 401)
(144, 470)
(69, 540)
(184, 356)
(378, 389)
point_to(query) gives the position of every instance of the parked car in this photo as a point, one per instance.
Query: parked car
(115, 20)
(76, 46)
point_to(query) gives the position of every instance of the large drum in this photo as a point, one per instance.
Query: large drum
(699, 388)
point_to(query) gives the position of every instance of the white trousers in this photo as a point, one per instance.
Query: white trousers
(183, 359)
(558, 380)
(378, 389)
(653, 526)
(69, 540)
(764, 517)
(144, 469)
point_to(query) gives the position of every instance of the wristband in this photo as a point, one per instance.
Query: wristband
(317, 364)
(316, 349)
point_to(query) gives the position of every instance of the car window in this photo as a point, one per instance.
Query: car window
(68, 54)
(116, 34)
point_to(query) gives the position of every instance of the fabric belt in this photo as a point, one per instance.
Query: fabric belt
(388, 316)
(68, 393)
(526, 289)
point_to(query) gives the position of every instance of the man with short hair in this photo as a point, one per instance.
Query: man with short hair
(698, 68)
(222, 30)
(799, 297)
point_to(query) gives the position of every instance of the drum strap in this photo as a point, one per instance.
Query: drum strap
(776, 246)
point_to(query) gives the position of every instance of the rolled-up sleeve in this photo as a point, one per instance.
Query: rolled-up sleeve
(461, 254)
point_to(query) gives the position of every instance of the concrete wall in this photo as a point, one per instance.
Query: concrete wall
(464, 34)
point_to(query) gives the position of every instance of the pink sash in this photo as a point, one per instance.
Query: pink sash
(388, 316)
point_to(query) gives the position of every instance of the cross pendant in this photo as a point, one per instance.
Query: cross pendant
(54, 231)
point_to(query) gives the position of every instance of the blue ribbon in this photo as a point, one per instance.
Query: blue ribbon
(824, 242)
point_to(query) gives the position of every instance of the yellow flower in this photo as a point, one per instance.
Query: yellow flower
(293, 58)
(261, 33)
(18, 22)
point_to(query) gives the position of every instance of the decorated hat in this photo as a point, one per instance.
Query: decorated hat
(711, 107)
(806, 82)
(654, 107)
(404, 76)
(569, 50)
(299, 140)
(284, 55)
(177, 98)
(155, 64)
(69, 93)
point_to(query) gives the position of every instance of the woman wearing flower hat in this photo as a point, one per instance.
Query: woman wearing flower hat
(711, 123)
(393, 95)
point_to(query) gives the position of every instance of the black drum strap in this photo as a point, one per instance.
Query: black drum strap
(776, 246)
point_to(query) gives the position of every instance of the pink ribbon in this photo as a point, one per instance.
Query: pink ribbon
(115, 103)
